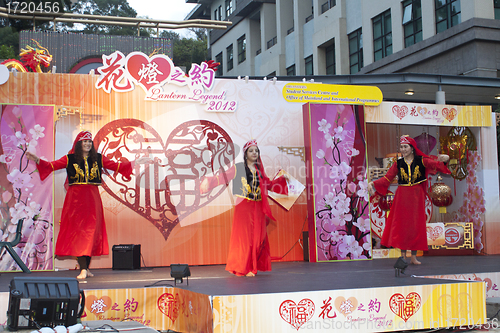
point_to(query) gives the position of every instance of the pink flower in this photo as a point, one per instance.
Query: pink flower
(19, 179)
(16, 111)
(19, 139)
(6, 196)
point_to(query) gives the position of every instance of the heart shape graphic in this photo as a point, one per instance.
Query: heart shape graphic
(400, 112)
(297, 314)
(405, 307)
(166, 189)
(454, 307)
(169, 305)
(434, 232)
(449, 114)
(346, 306)
(149, 72)
(98, 305)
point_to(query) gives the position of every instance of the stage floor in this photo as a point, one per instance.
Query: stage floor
(285, 276)
(275, 299)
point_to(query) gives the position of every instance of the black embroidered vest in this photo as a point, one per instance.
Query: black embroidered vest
(411, 175)
(246, 184)
(84, 173)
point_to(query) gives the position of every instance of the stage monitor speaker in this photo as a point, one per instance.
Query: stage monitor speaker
(179, 271)
(45, 302)
(127, 256)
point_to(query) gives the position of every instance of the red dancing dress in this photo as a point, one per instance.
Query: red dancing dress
(83, 230)
(405, 227)
(249, 249)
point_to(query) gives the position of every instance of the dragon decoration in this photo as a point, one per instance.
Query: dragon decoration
(32, 58)
(35, 57)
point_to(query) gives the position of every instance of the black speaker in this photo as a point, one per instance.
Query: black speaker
(127, 256)
(46, 302)
(179, 271)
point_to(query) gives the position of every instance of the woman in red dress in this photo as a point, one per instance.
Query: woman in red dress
(83, 230)
(249, 249)
(405, 227)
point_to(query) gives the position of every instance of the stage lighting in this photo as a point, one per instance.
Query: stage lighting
(180, 271)
(400, 266)
(44, 302)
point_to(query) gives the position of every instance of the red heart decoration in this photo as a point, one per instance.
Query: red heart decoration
(168, 188)
(400, 112)
(405, 307)
(149, 72)
(169, 305)
(434, 232)
(449, 114)
(297, 314)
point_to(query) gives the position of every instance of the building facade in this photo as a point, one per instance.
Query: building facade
(343, 37)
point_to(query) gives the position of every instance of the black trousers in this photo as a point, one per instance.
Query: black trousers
(84, 262)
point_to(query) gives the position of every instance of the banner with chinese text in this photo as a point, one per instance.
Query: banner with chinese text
(163, 308)
(354, 310)
(429, 114)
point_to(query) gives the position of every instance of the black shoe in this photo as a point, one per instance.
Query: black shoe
(400, 266)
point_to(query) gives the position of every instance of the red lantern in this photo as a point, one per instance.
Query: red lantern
(385, 202)
(440, 193)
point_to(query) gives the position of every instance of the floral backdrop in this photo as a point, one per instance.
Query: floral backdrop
(338, 149)
(26, 128)
(474, 207)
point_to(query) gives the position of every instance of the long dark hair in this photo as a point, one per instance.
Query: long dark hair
(79, 153)
(257, 163)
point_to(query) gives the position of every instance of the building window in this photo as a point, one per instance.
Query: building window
(309, 65)
(273, 41)
(242, 49)
(229, 8)
(310, 17)
(218, 13)
(447, 14)
(355, 51)
(496, 4)
(271, 75)
(290, 71)
(229, 57)
(327, 5)
(382, 35)
(218, 58)
(330, 59)
(412, 21)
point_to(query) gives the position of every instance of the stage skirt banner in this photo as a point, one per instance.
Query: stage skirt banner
(339, 223)
(161, 308)
(491, 279)
(354, 310)
(26, 128)
(429, 114)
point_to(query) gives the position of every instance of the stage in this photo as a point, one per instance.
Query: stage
(295, 294)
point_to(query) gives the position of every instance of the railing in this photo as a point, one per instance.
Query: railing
(272, 42)
(327, 5)
(309, 18)
(289, 31)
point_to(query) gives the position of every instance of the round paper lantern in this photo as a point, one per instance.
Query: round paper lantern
(440, 193)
